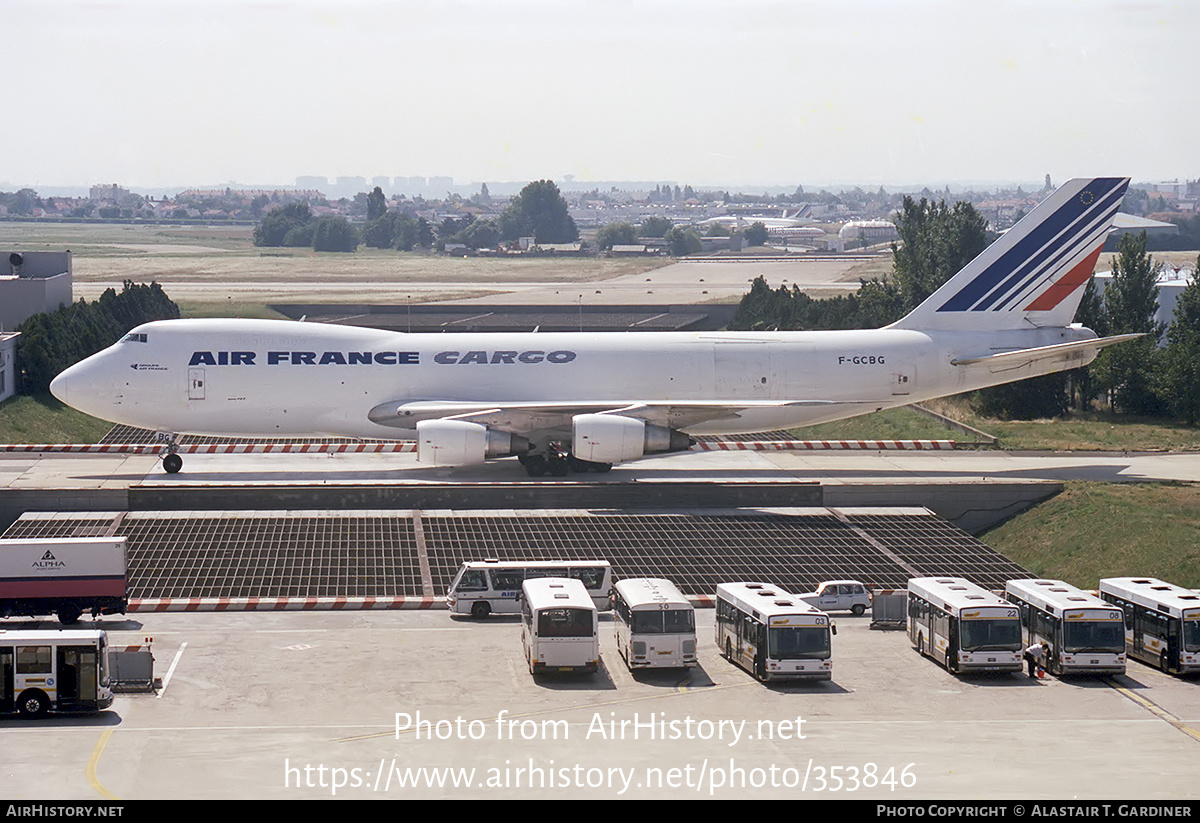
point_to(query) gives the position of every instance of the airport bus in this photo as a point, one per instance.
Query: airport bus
(1085, 635)
(491, 586)
(655, 624)
(773, 634)
(1162, 621)
(54, 671)
(559, 626)
(963, 627)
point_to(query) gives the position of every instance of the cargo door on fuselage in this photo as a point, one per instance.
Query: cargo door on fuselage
(744, 370)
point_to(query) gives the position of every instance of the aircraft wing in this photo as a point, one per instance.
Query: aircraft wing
(1082, 350)
(524, 417)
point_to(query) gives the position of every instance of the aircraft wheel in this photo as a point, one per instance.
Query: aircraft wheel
(172, 463)
(559, 467)
(535, 465)
(68, 615)
(576, 465)
(601, 468)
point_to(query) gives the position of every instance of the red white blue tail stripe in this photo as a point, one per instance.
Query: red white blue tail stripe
(1039, 265)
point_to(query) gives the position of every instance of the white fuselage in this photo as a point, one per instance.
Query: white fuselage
(282, 378)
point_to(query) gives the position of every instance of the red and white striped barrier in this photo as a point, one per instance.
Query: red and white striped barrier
(281, 604)
(395, 448)
(825, 445)
(214, 448)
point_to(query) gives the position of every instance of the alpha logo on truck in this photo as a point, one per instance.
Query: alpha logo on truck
(48, 562)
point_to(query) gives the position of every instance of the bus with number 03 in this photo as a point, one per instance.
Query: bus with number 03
(962, 626)
(559, 627)
(1162, 621)
(1085, 635)
(773, 634)
(486, 587)
(54, 671)
(655, 624)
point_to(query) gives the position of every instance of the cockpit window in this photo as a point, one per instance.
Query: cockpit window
(134, 337)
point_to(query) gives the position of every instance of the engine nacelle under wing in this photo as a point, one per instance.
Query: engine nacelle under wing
(460, 443)
(612, 438)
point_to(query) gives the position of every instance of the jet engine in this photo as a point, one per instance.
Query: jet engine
(611, 438)
(460, 443)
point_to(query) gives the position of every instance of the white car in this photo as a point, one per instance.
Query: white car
(840, 596)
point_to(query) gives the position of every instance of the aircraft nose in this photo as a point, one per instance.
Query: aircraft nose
(60, 386)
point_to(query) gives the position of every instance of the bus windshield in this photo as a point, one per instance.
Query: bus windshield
(1191, 635)
(984, 635)
(565, 623)
(675, 621)
(795, 642)
(1093, 636)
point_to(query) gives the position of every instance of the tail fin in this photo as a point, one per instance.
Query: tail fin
(1033, 275)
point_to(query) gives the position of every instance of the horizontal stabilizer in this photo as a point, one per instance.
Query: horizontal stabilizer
(1059, 351)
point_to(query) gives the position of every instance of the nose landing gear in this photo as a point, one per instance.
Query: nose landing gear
(171, 461)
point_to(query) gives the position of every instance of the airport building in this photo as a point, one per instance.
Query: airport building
(33, 282)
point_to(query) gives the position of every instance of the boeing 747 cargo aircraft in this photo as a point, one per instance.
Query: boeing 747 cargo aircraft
(563, 401)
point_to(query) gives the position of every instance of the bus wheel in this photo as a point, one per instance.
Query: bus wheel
(481, 609)
(921, 644)
(1163, 664)
(33, 703)
(728, 649)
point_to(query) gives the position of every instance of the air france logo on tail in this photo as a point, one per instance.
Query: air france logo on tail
(1047, 256)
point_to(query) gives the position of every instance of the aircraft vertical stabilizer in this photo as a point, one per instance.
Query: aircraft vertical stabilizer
(1033, 276)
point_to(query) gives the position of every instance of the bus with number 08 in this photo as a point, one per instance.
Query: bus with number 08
(773, 634)
(486, 587)
(962, 626)
(1162, 621)
(54, 671)
(1085, 635)
(655, 624)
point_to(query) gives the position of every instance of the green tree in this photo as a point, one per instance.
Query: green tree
(541, 212)
(279, 221)
(1180, 377)
(936, 241)
(334, 234)
(616, 234)
(481, 234)
(376, 204)
(683, 241)
(1130, 305)
(655, 227)
(756, 234)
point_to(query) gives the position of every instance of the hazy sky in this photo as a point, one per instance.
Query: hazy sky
(190, 92)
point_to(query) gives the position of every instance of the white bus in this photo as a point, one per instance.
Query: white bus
(491, 586)
(1162, 621)
(1085, 634)
(54, 671)
(963, 627)
(656, 624)
(559, 626)
(773, 634)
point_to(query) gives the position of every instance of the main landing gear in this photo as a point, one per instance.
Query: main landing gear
(558, 461)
